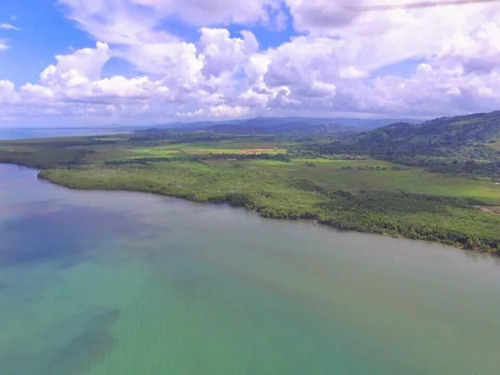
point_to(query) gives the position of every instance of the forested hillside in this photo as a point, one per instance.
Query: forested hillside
(465, 144)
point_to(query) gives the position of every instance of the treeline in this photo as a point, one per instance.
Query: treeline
(446, 220)
(192, 136)
(386, 213)
(45, 158)
(201, 157)
(391, 213)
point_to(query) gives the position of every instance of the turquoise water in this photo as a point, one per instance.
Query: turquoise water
(127, 283)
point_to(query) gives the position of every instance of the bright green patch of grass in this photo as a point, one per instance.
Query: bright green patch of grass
(360, 175)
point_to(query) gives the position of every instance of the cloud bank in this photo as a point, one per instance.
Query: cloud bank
(423, 61)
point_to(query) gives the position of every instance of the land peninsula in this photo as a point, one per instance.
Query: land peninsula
(437, 180)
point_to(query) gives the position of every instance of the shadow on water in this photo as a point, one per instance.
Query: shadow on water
(67, 236)
(87, 349)
(74, 355)
(186, 288)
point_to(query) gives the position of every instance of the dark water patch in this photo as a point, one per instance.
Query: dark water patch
(18, 363)
(81, 349)
(67, 236)
(192, 289)
(13, 210)
(88, 349)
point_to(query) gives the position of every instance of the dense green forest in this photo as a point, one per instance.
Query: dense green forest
(434, 181)
(465, 144)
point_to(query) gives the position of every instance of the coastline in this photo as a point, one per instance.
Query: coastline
(311, 220)
(199, 257)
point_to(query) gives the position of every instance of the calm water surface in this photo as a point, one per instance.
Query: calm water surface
(125, 283)
(28, 133)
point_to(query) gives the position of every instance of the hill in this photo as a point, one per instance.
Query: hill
(462, 144)
(289, 126)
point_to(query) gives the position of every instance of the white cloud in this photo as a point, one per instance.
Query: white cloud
(136, 21)
(176, 61)
(8, 94)
(222, 53)
(304, 72)
(8, 26)
(434, 61)
(35, 92)
(115, 21)
(318, 16)
(206, 13)
(346, 50)
(82, 66)
(4, 44)
(430, 90)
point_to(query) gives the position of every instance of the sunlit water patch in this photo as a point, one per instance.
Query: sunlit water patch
(128, 283)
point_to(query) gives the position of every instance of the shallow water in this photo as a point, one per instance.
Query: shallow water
(129, 283)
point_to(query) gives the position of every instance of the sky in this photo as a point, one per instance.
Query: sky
(131, 62)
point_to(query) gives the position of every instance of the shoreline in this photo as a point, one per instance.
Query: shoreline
(315, 221)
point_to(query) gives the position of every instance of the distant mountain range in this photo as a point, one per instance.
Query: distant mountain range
(282, 125)
(456, 144)
(474, 136)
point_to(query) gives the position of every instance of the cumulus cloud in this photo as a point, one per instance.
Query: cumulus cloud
(340, 60)
(34, 92)
(82, 66)
(463, 56)
(134, 21)
(8, 93)
(429, 90)
(222, 53)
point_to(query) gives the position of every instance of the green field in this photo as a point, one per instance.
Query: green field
(361, 194)
(372, 174)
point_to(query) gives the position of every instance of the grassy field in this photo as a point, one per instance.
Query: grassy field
(362, 194)
(359, 175)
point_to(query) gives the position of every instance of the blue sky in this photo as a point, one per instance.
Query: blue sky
(151, 61)
(44, 33)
